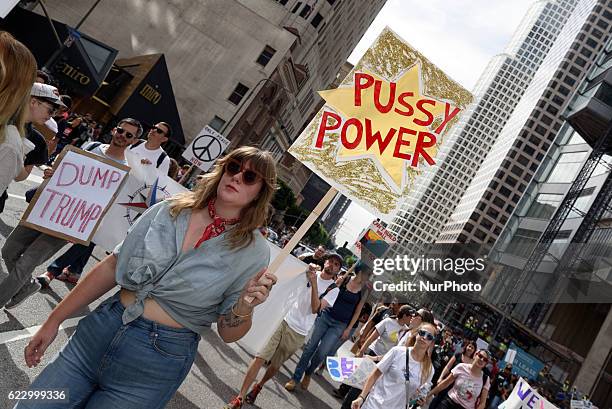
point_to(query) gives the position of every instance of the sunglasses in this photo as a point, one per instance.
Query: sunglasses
(234, 167)
(426, 334)
(416, 314)
(121, 131)
(158, 130)
(483, 357)
(50, 109)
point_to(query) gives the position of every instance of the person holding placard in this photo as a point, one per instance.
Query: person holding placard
(333, 324)
(26, 248)
(402, 375)
(188, 262)
(290, 334)
(470, 384)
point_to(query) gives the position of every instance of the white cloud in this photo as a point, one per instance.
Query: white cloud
(459, 36)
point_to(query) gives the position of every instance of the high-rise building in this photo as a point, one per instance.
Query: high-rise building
(497, 93)
(562, 224)
(501, 180)
(335, 211)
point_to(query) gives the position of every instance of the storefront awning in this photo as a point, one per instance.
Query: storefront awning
(148, 96)
(83, 63)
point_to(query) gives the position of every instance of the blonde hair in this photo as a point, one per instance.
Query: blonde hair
(17, 74)
(253, 215)
(426, 365)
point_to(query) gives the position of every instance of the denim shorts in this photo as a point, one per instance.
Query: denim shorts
(106, 364)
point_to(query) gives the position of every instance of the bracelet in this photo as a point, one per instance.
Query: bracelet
(361, 397)
(241, 316)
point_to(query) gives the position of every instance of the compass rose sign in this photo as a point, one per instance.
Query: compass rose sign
(143, 198)
(382, 126)
(206, 148)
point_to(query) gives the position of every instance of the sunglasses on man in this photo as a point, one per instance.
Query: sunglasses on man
(121, 131)
(158, 130)
(234, 167)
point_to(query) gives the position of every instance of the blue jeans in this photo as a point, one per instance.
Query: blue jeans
(326, 333)
(74, 258)
(495, 402)
(106, 364)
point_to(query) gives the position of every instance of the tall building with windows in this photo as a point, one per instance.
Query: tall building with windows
(501, 180)
(497, 93)
(563, 224)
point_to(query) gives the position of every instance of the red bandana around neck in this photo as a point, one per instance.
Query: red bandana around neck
(216, 227)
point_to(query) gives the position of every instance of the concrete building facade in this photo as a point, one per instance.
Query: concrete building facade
(497, 93)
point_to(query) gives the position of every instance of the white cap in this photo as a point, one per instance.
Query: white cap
(47, 92)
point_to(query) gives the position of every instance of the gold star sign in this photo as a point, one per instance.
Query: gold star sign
(382, 126)
(391, 122)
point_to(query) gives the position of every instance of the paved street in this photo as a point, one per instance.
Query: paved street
(214, 378)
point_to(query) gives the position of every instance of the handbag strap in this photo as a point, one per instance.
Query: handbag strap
(407, 375)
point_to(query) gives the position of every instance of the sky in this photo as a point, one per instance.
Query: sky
(459, 36)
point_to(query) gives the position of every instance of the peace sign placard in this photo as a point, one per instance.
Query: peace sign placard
(206, 148)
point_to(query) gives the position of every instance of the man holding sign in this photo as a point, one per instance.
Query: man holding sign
(28, 247)
(290, 334)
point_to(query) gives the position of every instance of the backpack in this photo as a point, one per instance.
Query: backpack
(160, 159)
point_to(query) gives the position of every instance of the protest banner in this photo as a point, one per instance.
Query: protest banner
(72, 203)
(482, 344)
(382, 125)
(266, 317)
(342, 368)
(373, 243)
(523, 396)
(523, 364)
(143, 188)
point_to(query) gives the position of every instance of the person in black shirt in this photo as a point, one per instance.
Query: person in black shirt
(318, 257)
(498, 386)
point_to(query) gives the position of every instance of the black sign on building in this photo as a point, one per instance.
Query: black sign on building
(79, 67)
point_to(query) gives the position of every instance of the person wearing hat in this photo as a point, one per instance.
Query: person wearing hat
(333, 323)
(318, 293)
(43, 103)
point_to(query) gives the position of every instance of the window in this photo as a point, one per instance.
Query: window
(216, 123)
(567, 167)
(297, 7)
(305, 11)
(316, 20)
(239, 93)
(282, 2)
(265, 56)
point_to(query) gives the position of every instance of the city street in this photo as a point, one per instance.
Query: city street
(214, 378)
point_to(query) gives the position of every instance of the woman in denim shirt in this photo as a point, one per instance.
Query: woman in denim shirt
(188, 262)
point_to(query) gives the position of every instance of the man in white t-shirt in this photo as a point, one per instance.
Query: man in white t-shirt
(291, 333)
(150, 151)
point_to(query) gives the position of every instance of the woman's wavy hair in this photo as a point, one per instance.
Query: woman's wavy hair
(17, 74)
(426, 364)
(252, 216)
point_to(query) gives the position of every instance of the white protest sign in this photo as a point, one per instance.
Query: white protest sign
(524, 396)
(361, 374)
(580, 404)
(482, 344)
(74, 200)
(6, 6)
(144, 188)
(510, 355)
(206, 148)
(342, 368)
